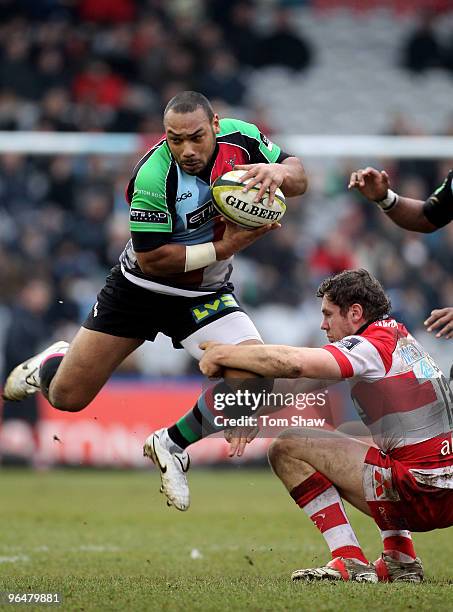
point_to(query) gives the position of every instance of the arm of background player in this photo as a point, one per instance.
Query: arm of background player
(271, 361)
(408, 213)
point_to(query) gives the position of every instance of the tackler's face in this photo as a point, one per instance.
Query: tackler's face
(191, 138)
(338, 325)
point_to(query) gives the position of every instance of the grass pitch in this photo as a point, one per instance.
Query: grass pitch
(107, 541)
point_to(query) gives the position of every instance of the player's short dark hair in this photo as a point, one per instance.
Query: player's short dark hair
(188, 102)
(356, 287)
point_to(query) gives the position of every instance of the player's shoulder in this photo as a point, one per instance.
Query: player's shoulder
(384, 335)
(155, 163)
(232, 126)
(386, 330)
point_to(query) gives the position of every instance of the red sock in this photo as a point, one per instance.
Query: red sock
(322, 502)
(398, 544)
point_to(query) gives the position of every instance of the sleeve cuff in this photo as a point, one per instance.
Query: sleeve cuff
(344, 363)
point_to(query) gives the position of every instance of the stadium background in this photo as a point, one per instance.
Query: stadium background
(334, 70)
(331, 69)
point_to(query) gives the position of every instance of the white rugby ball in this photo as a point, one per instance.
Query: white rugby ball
(239, 207)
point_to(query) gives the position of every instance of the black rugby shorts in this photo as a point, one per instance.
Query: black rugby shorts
(129, 311)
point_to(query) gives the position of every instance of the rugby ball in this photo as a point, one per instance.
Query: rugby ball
(239, 207)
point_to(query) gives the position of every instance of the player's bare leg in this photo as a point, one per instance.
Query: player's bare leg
(316, 470)
(298, 453)
(167, 447)
(70, 377)
(90, 361)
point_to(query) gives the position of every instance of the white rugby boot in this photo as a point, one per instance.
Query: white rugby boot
(172, 467)
(339, 568)
(24, 380)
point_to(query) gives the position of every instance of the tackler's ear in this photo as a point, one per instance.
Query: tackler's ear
(356, 311)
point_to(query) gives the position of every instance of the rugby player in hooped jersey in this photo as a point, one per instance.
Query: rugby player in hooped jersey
(173, 276)
(405, 480)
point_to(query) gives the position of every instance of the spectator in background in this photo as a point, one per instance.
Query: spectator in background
(208, 40)
(284, 46)
(179, 65)
(105, 11)
(96, 84)
(448, 54)
(56, 111)
(62, 183)
(332, 256)
(422, 49)
(248, 44)
(16, 71)
(221, 12)
(27, 331)
(114, 45)
(50, 71)
(223, 80)
(18, 184)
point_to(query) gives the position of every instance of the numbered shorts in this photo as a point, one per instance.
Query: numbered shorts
(398, 500)
(129, 311)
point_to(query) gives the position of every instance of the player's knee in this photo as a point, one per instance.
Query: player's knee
(67, 400)
(277, 451)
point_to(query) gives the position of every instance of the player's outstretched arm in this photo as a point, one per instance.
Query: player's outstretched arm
(405, 212)
(271, 361)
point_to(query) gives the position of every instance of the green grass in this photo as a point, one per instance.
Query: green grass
(107, 541)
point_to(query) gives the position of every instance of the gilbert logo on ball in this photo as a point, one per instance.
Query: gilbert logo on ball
(239, 207)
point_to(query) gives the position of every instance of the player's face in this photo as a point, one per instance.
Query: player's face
(335, 324)
(191, 138)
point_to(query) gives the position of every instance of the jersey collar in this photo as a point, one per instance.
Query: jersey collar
(360, 331)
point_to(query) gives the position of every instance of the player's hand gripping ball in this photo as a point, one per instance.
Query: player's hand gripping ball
(239, 207)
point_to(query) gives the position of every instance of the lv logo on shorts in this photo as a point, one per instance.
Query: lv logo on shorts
(204, 311)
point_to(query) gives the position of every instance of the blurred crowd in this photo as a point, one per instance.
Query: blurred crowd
(96, 65)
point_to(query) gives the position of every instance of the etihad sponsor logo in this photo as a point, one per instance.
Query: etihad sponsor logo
(149, 216)
(251, 209)
(204, 311)
(201, 215)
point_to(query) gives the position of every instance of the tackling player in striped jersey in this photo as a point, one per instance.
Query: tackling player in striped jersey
(405, 479)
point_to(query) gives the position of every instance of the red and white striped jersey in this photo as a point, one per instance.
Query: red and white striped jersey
(398, 390)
